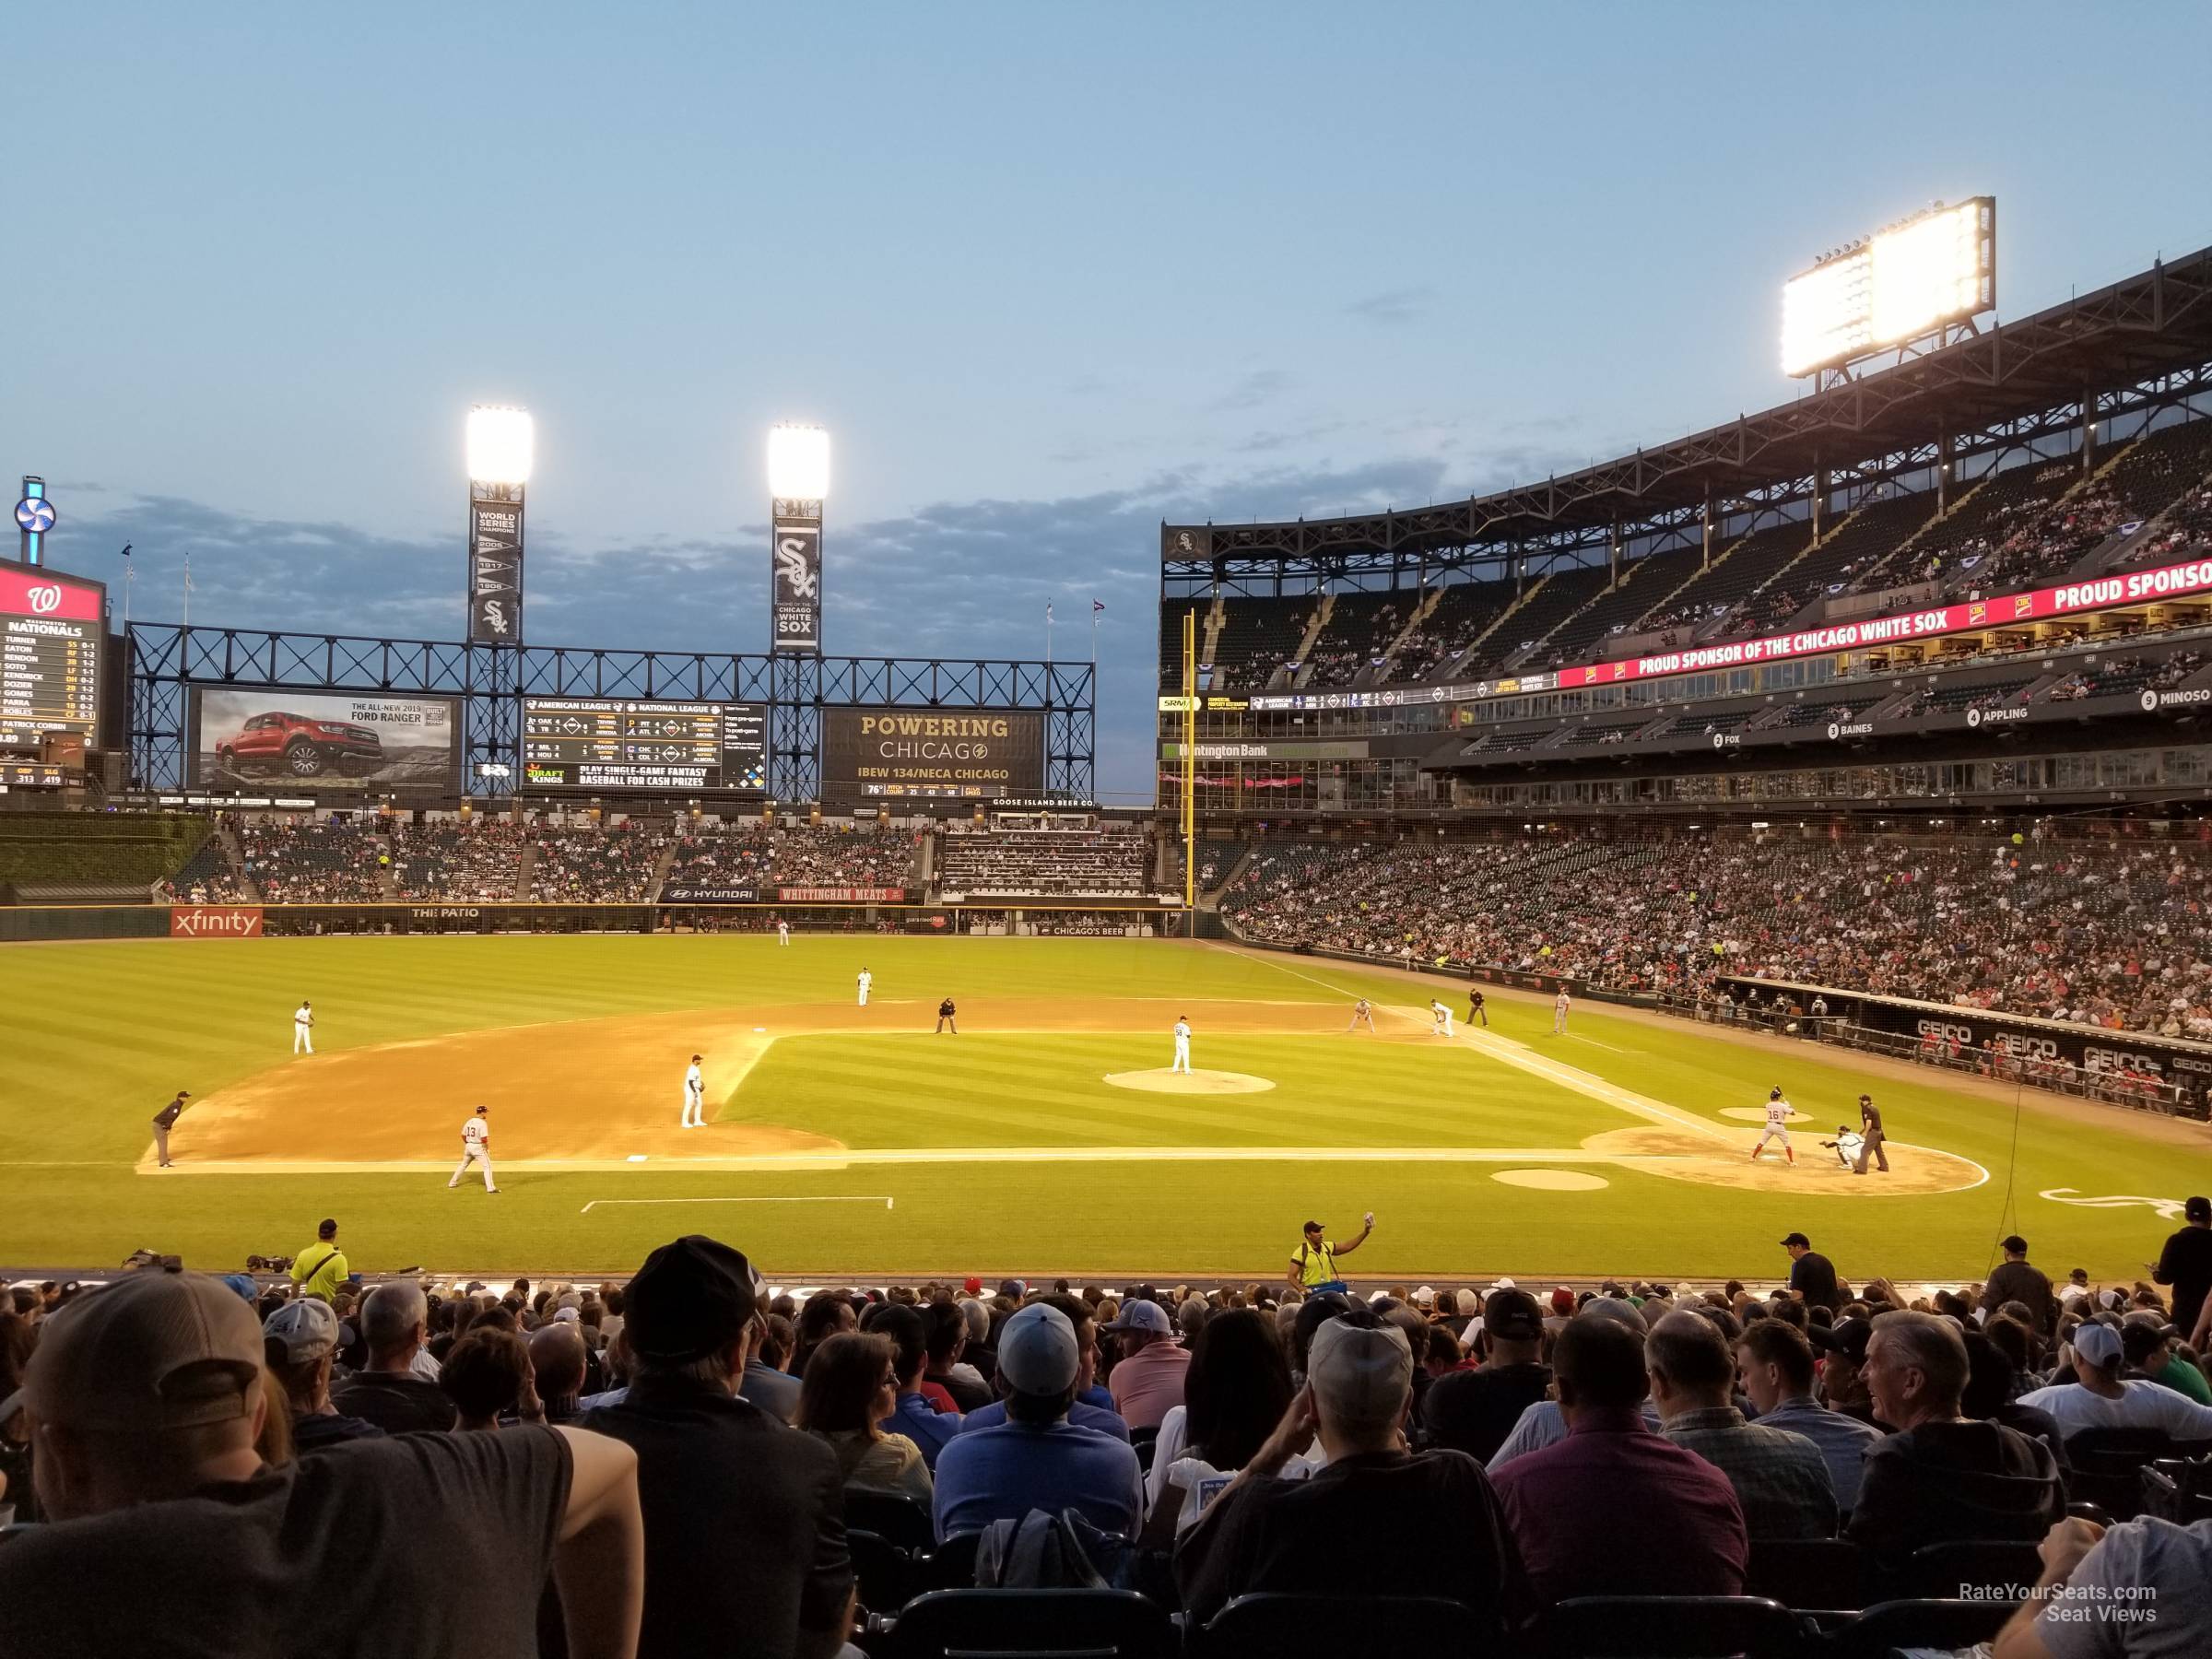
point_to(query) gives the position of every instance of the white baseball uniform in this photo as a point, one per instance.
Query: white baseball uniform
(1441, 1017)
(1850, 1147)
(1778, 1115)
(476, 1148)
(1362, 1014)
(695, 1098)
(1560, 1005)
(1182, 1047)
(303, 1022)
(782, 933)
(866, 982)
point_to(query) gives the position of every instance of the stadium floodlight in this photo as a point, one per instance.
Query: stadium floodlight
(501, 444)
(798, 463)
(1913, 278)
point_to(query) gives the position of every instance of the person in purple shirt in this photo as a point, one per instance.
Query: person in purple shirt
(1613, 1509)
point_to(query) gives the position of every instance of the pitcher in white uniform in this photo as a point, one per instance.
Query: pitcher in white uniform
(1182, 1044)
(304, 1026)
(1778, 1117)
(476, 1148)
(695, 1096)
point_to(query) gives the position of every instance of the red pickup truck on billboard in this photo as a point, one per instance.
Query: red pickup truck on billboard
(300, 747)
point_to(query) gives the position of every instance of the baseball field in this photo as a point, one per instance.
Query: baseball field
(1046, 1137)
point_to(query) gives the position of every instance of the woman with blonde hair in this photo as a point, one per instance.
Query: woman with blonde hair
(851, 1387)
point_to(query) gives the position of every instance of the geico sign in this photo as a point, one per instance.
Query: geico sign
(214, 922)
(1943, 1031)
(2112, 1060)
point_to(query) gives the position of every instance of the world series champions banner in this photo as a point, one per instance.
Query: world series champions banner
(795, 576)
(495, 572)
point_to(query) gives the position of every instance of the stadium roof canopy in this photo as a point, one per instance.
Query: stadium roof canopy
(2001, 388)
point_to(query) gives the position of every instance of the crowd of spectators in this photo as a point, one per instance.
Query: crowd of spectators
(1111, 859)
(595, 864)
(470, 862)
(339, 861)
(206, 876)
(2117, 935)
(2030, 543)
(690, 1462)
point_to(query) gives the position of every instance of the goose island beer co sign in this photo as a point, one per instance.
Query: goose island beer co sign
(892, 754)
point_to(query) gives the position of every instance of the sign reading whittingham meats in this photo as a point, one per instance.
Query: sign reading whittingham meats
(323, 741)
(2007, 610)
(930, 754)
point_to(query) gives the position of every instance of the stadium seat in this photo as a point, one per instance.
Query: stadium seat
(1828, 1574)
(951, 1565)
(2105, 1468)
(2179, 1489)
(1144, 1442)
(1888, 1626)
(1670, 1627)
(885, 1572)
(1344, 1626)
(1015, 1624)
(1945, 1571)
(891, 1516)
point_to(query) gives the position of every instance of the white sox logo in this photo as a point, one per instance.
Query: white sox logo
(792, 570)
(2168, 1209)
(495, 616)
(44, 599)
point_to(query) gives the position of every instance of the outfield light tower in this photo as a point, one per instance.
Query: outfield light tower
(503, 444)
(798, 483)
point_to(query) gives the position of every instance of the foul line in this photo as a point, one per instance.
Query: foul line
(883, 1198)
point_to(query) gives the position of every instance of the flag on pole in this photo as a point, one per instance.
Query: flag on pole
(1048, 610)
(1097, 606)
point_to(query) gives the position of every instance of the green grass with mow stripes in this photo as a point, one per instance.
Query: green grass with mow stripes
(99, 1034)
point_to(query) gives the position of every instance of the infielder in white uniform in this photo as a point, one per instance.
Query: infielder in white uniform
(1182, 1046)
(1363, 1014)
(1440, 1018)
(782, 931)
(303, 1025)
(867, 981)
(475, 1145)
(1778, 1115)
(695, 1096)
(1560, 1005)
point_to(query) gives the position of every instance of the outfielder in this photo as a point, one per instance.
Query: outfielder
(476, 1146)
(1363, 1014)
(1872, 1136)
(303, 1025)
(1182, 1046)
(782, 931)
(1440, 1018)
(695, 1096)
(866, 982)
(1560, 1005)
(1778, 1116)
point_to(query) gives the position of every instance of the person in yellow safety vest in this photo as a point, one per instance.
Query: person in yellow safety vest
(1313, 1264)
(320, 1269)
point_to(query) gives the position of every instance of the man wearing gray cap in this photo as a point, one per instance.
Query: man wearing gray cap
(2095, 1395)
(1374, 1514)
(1037, 1459)
(145, 1402)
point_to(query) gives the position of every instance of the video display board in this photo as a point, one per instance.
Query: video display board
(327, 742)
(50, 635)
(888, 753)
(594, 743)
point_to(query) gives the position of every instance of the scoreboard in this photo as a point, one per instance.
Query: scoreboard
(49, 637)
(594, 743)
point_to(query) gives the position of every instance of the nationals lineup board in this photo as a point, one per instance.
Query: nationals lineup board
(49, 630)
(594, 742)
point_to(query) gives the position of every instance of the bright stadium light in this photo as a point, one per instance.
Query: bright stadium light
(501, 443)
(1913, 278)
(798, 463)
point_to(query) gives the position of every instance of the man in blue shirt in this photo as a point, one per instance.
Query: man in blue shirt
(1037, 1459)
(911, 1414)
(1093, 1407)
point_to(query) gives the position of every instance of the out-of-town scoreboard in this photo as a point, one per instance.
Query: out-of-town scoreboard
(50, 633)
(600, 744)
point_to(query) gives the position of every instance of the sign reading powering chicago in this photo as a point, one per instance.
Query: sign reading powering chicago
(930, 754)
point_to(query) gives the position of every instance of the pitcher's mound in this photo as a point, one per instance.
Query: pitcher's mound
(1164, 1081)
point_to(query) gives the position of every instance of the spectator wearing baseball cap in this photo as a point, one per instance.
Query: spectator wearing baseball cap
(1148, 1380)
(168, 1535)
(1473, 1411)
(2097, 1396)
(1842, 1350)
(1093, 1407)
(2016, 1281)
(1037, 1459)
(299, 1344)
(745, 1531)
(2186, 1265)
(1374, 1514)
(1812, 1275)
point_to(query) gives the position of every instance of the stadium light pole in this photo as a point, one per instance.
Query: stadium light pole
(798, 484)
(502, 450)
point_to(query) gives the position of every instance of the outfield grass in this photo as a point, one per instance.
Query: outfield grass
(102, 1033)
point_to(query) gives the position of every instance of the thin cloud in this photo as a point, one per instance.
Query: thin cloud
(1393, 307)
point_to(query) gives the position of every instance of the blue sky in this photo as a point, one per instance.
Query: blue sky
(1049, 273)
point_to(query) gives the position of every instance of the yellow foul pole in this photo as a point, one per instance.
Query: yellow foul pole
(1190, 759)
